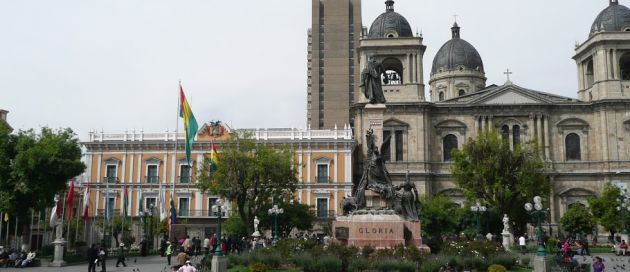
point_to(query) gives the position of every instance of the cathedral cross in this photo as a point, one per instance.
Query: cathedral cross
(508, 73)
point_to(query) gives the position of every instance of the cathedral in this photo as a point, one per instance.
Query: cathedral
(582, 141)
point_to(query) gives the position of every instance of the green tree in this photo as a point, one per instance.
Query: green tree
(299, 216)
(250, 175)
(487, 168)
(439, 216)
(34, 167)
(235, 227)
(577, 220)
(604, 208)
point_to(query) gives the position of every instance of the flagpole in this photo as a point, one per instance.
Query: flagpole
(1, 224)
(179, 109)
(30, 237)
(8, 227)
(15, 232)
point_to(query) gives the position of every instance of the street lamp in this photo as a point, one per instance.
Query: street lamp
(539, 214)
(478, 209)
(218, 251)
(623, 208)
(275, 211)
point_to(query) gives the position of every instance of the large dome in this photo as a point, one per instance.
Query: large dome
(613, 18)
(455, 53)
(390, 24)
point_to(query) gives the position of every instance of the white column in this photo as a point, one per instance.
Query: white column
(547, 135)
(140, 168)
(131, 166)
(124, 168)
(98, 168)
(174, 167)
(308, 167)
(540, 135)
(199, 163)
(165, 164)
(616, 71)
(335, 177)
(300, 177)
(90, 179)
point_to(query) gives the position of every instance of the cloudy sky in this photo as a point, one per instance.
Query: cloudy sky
(114, 64)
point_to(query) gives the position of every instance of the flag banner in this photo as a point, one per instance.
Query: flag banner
(125, 201)
(190, 123)
(55, 214)
(140, 202)
(70, 200)
(86, 203)
(214, 157)
(173, 212)
(162, 204)
(6, 216)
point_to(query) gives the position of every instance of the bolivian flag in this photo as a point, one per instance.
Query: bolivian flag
(214, 157)
(190, 123)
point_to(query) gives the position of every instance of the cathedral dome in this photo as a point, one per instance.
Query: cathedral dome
(613, 18)
(457, 53)
(390, 24)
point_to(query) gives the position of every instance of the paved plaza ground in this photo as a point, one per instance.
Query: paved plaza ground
(142, 264)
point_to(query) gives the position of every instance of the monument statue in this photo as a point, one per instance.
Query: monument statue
(375, 176)
(409, 204)
(371, 78)
(506, 224)
(256, 222)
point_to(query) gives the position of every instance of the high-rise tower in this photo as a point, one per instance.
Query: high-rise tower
(332, 38)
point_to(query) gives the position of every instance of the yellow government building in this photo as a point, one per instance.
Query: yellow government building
(148, 163)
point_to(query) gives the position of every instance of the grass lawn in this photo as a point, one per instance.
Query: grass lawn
(521, 269)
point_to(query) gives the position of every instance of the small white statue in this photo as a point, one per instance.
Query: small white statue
(506, 224)
(256, 222)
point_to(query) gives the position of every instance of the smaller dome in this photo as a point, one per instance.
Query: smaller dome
(613, 18)
(390, 24)
(457, 53)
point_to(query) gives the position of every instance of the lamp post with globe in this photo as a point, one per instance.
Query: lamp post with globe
(219, 263)
(478, 209)
(275, 211)
(539, 214)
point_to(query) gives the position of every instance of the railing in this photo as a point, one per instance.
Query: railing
(114, 212)
(184, 179)
(323, 179)
(152, 179)
(203, 213)
(325, 214)
(110, 179)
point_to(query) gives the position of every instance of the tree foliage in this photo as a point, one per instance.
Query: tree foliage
(34, 167)
(577, 220)
(250, 175)
(604, 208)
(296, 215)
(439, 216)
(505, 179)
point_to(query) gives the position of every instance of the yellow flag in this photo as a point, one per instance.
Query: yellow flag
(6, 217)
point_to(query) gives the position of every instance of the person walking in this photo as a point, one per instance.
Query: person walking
(168, 252)
(598, 265)
(182, 257)
(102, 257)
(188, 267)
(522, 243)
(92, 256)
(121, 255)
(206, 245)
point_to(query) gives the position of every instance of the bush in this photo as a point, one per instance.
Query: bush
(524, 261)
(359, 264)
(506, 260)
(395, 265)
(367, 251)
(271, 260)
(304, 260)
(236, 259)
(472, 262)
(258, 267)
(328, 264)
(482, 248)
(496, 268)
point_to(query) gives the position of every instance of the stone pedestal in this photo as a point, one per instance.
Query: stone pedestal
(219, 264)
(508, 241)
(379, 229)
(58, 257)
(375, 121)
(543, 263)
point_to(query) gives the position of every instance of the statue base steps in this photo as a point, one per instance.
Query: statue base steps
(378, 229)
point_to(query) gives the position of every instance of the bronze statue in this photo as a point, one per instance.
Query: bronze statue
(409, 204)
(371, 82)
(375, 176)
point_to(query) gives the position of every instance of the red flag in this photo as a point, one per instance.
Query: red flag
(86, 203)
(70, 200)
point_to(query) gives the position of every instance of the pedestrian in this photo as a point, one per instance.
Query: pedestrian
(188, 267)
(624, 247)
(522, 243)
(182, 257)
(169, 252)
(29, 259)
(598, 265)
(121, 255)
(102, 257)
(92, 255)
(213, 242)
(206, 245)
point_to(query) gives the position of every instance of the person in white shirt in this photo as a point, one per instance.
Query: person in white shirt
(522, 243)
(206, 245)
(29, 259)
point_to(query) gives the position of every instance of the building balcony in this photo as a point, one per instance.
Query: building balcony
(323, 179)
(201, 214)
(152, 179)
(184, 179)
(110, 179)
(325, 214)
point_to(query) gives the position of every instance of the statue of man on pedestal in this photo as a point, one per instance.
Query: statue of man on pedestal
(409, 199)
(371, 78)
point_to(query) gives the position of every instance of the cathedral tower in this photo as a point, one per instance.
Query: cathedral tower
(457, 69)
(391, 42)
(603, 61)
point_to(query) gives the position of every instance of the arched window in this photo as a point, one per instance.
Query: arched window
(589, 74)
(505, 132)
(462, 92)
(393, 71)
(572, 147)
(441, 96)
(516, 135)
(624, 66)
(449, 143)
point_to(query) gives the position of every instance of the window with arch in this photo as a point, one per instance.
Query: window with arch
(589, 75)
(624, 66)
(572, 147)
(393, 71)
(449, 143)
(516, 135)
(441, 96)
(505, 132)
(462, 92)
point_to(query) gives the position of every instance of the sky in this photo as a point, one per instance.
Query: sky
(114, 65)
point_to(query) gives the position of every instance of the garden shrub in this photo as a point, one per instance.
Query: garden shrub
(367, 251)
(235, 260)
(271, 260)
(432, 265)
(358, 264)
(303, 260)
(473, 262)
(524, 261)
(395, 265)
(483, 248)
(328, 264)
(496, 268)
(506, 260)
(258, 267)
